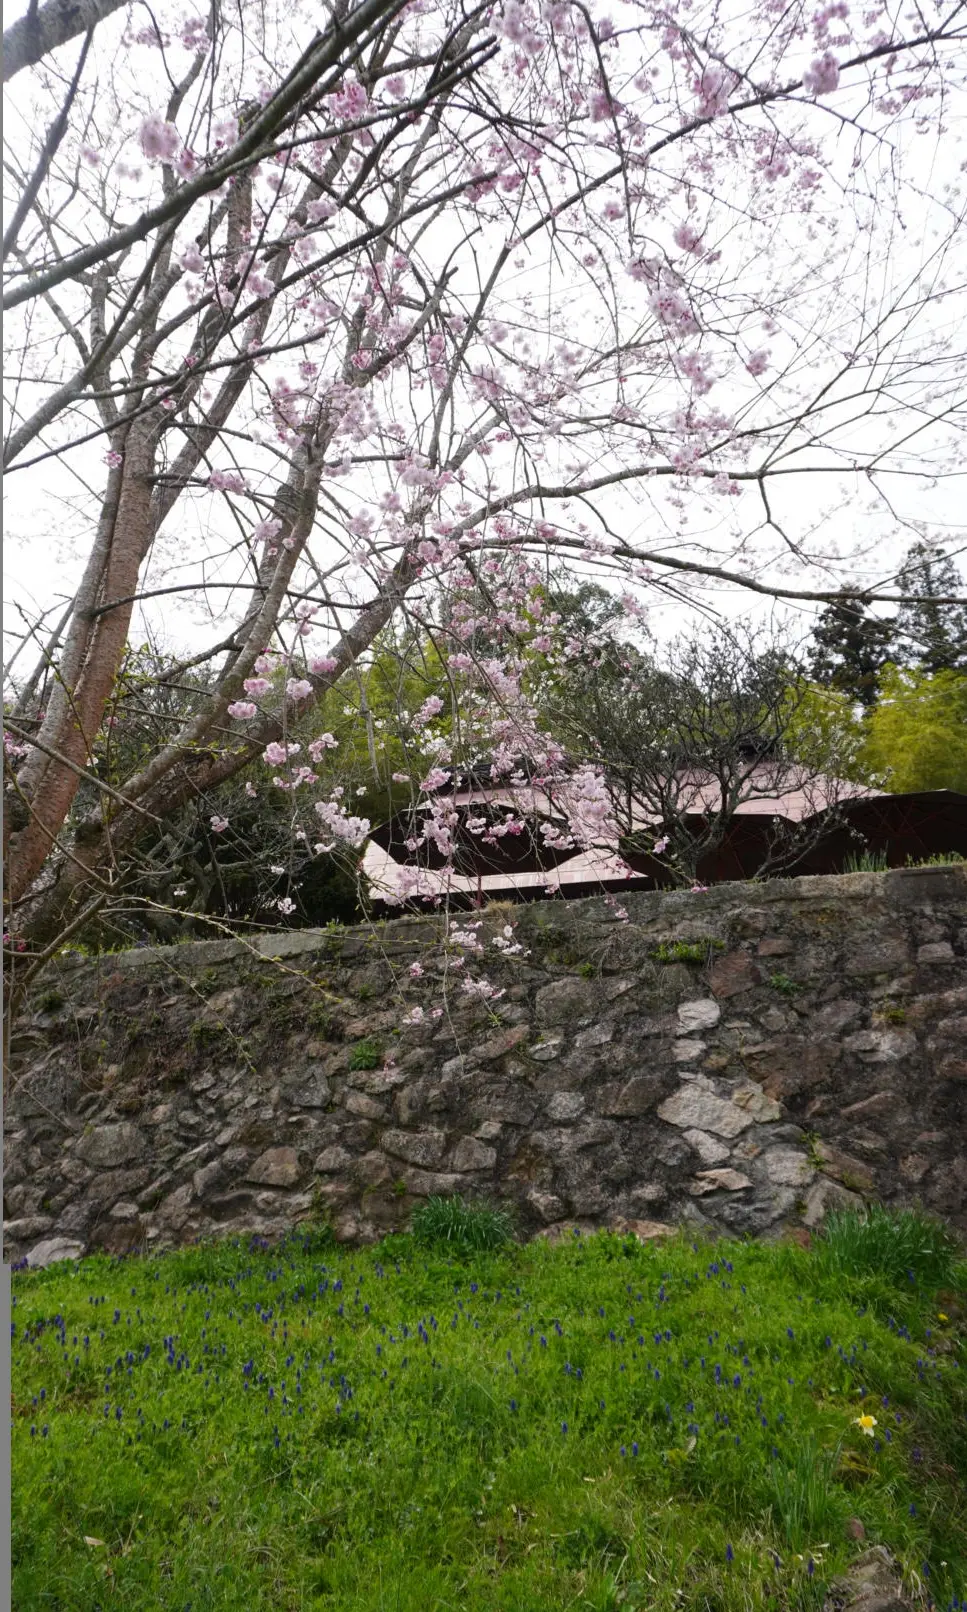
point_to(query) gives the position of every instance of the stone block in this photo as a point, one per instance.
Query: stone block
(850, 1172)
(884, 955)
(776, 946)
(701, 1014)
(424, 1148)
(109, 1145)
(880, 1046)
(789, 1064)
(688, 1051)
(276, 1167)
(733, 974)
(694, 1108)
(432, 1183)
(333, 1160)
(718, 1181)
(914, 1167)
(364, 1107)
(881, 1102)
(471, 1154)
(546, 1051)
(53, 1249)
(546, 1205)
(625, 1099)
(825, 1195)
(646, 1231)
(937, 951)
(833, 1017)
(788, 1167)
(567, 1001)
(708, 1149)
(565, 1105)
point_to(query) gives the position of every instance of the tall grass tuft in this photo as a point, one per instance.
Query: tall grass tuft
(904, 1246)
(462, 1227)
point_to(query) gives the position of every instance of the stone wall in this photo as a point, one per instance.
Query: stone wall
(741, 1057)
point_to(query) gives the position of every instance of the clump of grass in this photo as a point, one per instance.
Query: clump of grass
(941, 859)
(784, 985)
(904, 1247)
(866, 862)
(468, 1227)
(364, 1055)
(685, 951)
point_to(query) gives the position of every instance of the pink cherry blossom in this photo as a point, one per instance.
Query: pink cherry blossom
(218, 824)
(256, 685)
(242, 710)
(159, 141)
(298, 688)
(320, 665)
(822, 75)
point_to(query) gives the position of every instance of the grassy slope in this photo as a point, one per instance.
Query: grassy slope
(393, 1430)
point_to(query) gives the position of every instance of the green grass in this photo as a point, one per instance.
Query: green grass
(450, 1225)
(597, 1425)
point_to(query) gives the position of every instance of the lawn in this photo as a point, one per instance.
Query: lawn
(410, 1428)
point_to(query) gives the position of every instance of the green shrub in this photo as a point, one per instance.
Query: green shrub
(783, 984)
(904, 1247)
(466, 1227)
(364, 1055)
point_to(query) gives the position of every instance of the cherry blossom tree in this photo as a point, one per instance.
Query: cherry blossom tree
(317, 326)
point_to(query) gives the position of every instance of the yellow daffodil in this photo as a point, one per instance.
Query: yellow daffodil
(866, 1424)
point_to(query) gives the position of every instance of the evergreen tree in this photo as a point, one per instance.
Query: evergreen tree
(851, 648)
(932, 635)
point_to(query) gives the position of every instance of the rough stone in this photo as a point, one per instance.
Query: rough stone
(881, 1102)
(708, 1149)
(646, 1231)
(365, 1107)
(786, 1167)
(109, 1145)
(718, 1181)
(693, 1108)
(938, 951)
(880, 1046)
(53, 1249)
(425, 1148)
(688, 1051)
(565, 1105)
(276, 1167)
(470, 1154)
(632, 1097)
(825, 1195)
(546, 1051)
(703, 1014)
(850, 1172)
(566, 1001)
(733, 974)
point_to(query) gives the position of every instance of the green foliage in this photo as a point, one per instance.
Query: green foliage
(466, 1228)
(365, 1054)
(849, 649)
(784, 985)
(932, 636)
(685, 951)
(905, 1247)
(916, 735)
(866, 862)
(382, 1430)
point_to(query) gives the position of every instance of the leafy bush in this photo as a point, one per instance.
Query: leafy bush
(467, 1227)
(904, 1247)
